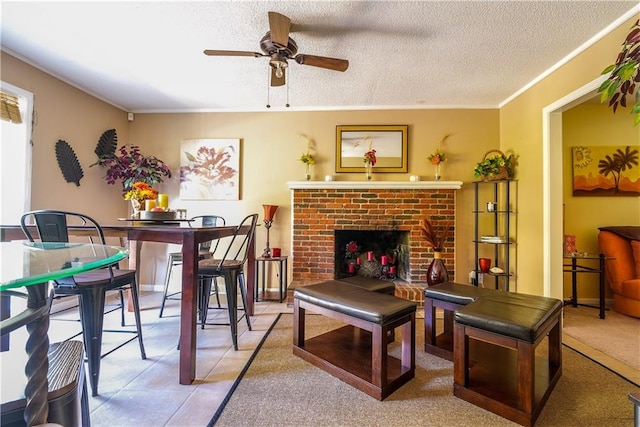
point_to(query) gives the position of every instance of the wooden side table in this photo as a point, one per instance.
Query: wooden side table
(261, 293)
(575, 268)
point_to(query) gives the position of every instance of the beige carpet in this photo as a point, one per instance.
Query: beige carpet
(617, 336)
(280, 389)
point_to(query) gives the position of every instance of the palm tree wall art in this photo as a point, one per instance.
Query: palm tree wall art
(606, 170)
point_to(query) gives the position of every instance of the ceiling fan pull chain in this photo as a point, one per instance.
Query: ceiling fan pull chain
(287, 83)
(268, 90)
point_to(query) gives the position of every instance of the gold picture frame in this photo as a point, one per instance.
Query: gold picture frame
(389, 141)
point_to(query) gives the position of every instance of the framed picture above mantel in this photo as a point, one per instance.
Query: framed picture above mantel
(388, 141)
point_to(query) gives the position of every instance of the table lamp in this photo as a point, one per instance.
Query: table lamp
(269, 212)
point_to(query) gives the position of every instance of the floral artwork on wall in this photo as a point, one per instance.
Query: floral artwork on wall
(606, 171)
(210, 169)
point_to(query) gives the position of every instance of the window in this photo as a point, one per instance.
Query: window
(15, 154)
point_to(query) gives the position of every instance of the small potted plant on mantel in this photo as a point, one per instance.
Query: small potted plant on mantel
(307, 158)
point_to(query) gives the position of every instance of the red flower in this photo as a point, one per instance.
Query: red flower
(352, 249)
(370, 157)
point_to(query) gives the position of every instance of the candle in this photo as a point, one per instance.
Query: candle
(149, 204)
(358, 261)
(370, 256)
(384, 259)
(352, 268)
(392, 269)
(163, 201)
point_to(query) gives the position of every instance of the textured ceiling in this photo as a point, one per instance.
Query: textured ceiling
(147, 56)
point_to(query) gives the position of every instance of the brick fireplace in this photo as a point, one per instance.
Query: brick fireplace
(319, 209)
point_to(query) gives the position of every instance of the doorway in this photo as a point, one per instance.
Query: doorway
(552, 195)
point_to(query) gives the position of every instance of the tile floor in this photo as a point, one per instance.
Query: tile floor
(136, 392)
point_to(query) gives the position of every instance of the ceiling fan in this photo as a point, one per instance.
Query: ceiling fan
(279, 47)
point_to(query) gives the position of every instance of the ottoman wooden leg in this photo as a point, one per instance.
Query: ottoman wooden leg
(298, 324)
(429, 323)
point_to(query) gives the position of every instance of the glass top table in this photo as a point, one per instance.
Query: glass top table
(577, 266)
(31, 265)
(24, 263)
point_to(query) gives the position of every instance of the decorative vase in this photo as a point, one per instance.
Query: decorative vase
(135, 206)
(437, 271)
(368, 171)
(484, 264)
(437, 175)
(307, 168)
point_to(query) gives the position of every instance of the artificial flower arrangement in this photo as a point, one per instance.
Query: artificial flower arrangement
(435, 235)
(352, 250)
(141, 191)
(438, 156)
(131, 166)
(370, 157)
(308, 159)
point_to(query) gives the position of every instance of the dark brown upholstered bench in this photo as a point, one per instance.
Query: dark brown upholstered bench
(449, 297)
(495, 364)
(370, 284)
(357, 352)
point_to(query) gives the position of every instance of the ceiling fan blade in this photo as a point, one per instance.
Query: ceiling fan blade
(279, 26)
(323, 62)
(275, 80)
(232, 53)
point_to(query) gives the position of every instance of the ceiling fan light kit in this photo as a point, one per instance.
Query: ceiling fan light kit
(279, 47)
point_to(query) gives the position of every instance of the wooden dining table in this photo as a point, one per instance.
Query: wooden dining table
(189, 237)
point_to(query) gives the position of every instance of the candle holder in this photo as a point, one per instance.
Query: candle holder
(269, 212)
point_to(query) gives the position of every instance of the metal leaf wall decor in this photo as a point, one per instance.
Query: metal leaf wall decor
(107, 143)
(68, 162)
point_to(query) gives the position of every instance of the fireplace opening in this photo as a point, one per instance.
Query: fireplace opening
(372, 253)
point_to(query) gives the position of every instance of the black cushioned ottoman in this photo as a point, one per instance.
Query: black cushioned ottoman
(357, 352)
(449, 297)
(495, 364)
(370, 284)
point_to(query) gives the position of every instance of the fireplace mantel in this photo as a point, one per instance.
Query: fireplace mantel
(359, 185)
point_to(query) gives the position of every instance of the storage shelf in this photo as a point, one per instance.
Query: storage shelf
(497, 222)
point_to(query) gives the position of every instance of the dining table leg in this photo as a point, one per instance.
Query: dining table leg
(188, 309)
(135, 248)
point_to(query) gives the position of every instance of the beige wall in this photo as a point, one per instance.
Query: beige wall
(271, 148)
(521, 131)
(594, 124)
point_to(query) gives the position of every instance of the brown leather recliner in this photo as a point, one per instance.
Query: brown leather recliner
(623, 272)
